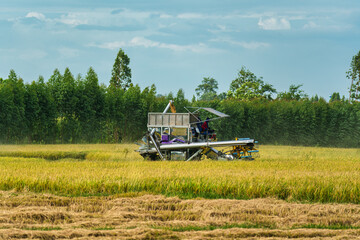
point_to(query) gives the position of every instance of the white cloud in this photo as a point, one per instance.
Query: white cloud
(224, 28)
(143, 42)
(191, 16)
(165, 16)
(228, 16)
(248, 45)
(147, 43)
(73, 19)
(103, 17)
(273, 23)
(110, 45)
(251, 45)
(310, 25)
(327, 26)
(36, 15)
(29, 16)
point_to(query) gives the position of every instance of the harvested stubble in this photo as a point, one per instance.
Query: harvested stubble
(45, 216)
(289, 173)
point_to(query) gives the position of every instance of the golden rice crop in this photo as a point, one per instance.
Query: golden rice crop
(290, 173)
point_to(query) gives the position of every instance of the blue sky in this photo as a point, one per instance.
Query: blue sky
(174, 44)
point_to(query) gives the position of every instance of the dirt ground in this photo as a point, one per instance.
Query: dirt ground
(44, 216)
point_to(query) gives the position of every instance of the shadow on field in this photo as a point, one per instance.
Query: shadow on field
(52, 156)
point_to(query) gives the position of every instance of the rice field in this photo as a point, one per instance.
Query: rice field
(109, 191)
(302, 174)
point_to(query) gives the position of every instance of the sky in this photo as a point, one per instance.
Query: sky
(176, 43)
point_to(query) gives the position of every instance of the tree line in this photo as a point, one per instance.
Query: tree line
(68, 109)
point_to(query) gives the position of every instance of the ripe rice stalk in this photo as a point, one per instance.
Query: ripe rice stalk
(291, 173)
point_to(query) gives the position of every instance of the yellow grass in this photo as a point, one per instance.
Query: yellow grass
(291, 173)
(45, 216)
(116, 181)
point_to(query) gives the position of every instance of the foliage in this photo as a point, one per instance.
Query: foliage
(207, 89)
(180, 101)
(69, 110)
(292, 122)
(135, 118)
(294, 93)
(40, 113)
(335, 97)
(248, 86)
(91, 107)
(114, 106)
(66, 110)
(12, 108)
(121, 72)
(354, 75)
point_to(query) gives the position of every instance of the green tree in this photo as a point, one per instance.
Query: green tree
(207, 89)
(193, 99)
(354, 75)
(170, 96)
(91, 107)
(65, 93)
(222, 96)
(294, 93)
(121, 72)
(134, 120)
(14, 108)
(7, 109)
(47, 116)
(70, 125)
(335, 97)
(314, 98)
(32, 109)
(248, 86)
(40, 112)
(180, 101)
(114, 105)
(148, 95)
(55, 86)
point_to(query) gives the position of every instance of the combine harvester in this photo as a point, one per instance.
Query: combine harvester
(184, 136)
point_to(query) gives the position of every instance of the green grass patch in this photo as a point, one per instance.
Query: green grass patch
(43, 228)
(321, 226)
(131, 227)
(104, 228)
(213, 227)
(45, 155)
(263, 225)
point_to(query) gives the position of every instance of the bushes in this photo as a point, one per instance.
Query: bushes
(292, 122)
(69, 110)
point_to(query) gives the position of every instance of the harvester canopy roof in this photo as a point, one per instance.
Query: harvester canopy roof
(216, 112)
